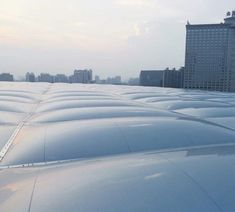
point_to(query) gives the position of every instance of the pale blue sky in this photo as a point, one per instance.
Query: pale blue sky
(113, 37)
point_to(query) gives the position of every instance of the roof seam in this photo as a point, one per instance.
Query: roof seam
(10, 141)
(194, 181)
(31, 196)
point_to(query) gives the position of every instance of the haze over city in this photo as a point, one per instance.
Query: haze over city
(113, 37)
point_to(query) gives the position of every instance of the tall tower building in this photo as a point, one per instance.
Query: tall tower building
(210, 56)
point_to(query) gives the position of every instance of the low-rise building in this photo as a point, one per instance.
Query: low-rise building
(173, 78)
(117, 80)
(151, 78)
(134, 81)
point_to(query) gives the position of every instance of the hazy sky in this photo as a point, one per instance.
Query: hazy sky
(113, 37)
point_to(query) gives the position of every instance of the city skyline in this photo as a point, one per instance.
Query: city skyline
(78, 76)
(112, 37)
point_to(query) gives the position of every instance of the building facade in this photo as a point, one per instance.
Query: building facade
(173, 78)
(61, 78)
(170, 78)
(6, 77)
(210, 56)
(117, 80)
(81, 76)
(151, 78)
(30, 77)
(45, 77)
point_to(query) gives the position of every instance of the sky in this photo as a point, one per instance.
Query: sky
(112, 37)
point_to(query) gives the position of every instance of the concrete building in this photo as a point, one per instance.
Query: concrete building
(45, 77)
(210, 55)
(6, 77)
(61, 78)
(30, 77)
(173, 78)
(81, 76)
(151, 78)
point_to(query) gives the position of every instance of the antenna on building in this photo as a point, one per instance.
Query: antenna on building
(188, 23)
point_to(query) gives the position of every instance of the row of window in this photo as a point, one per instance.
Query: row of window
(210, 29)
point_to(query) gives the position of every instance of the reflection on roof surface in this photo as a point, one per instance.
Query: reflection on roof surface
(62, 122)
(118, 148)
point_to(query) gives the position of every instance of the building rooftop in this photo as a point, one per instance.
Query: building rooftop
(120, 148)
(228, 21)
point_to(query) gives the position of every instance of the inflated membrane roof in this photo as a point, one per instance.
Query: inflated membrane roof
(75, 147)
(53, 122)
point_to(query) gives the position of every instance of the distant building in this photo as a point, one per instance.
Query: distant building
(45, 77)
(61, 78)
(30, 77)
(210, 55)
(102, 81)
(151, 78)
(117, 80)
(97, 79)
(134, 81)
(6, 77)
(173, 78)
(81, 76)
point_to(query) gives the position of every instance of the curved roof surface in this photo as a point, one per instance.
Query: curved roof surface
(118, 147)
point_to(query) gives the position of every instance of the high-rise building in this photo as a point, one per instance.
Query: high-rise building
(210, 55)
(45, 77)
(61, 78)
(81, 76)
(30, 77)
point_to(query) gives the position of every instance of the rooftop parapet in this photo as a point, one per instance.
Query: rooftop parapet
(230, 19)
